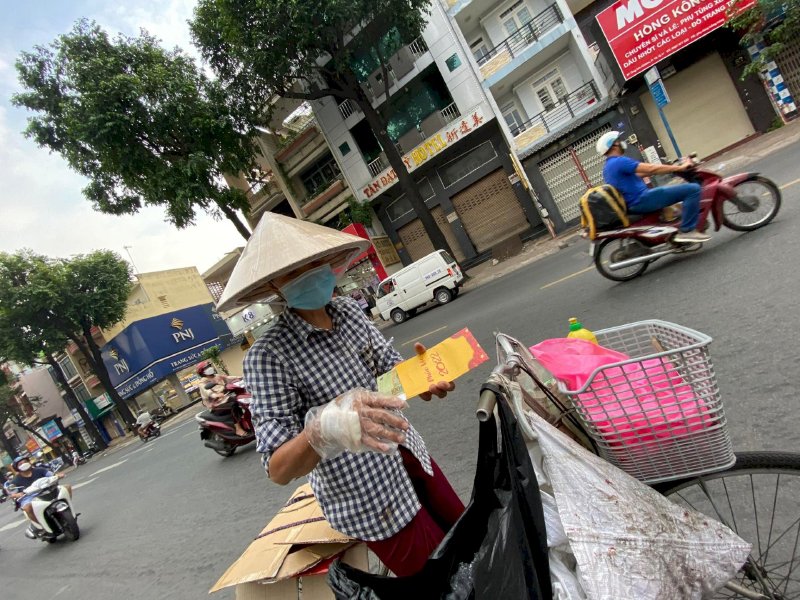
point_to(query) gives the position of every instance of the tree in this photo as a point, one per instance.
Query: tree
(142, 123)
(214, 354)
(24, 345)
(10, 410)
(773, 21)
(72, 297)
(302, 49)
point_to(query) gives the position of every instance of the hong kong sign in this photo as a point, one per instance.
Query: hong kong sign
(444, 138)
(643, 32)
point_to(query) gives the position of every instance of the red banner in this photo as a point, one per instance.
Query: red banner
(643, 32)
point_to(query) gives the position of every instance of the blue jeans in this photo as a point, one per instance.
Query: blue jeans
(661, 197)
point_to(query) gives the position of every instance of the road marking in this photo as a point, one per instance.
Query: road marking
(192, 432)
(109, 467)
(12, 525)
(83, 483)
(150, 450)
(424, 335)
(790, 184)
(581, 272)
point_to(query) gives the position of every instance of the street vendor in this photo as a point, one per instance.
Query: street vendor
(315, 409)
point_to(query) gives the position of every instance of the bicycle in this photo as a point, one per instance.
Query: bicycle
(720, 486)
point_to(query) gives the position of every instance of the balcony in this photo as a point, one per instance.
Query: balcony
(318, 200)
(401, 63)
(296, 141)
(348, 108)
(376, 166)
(515, 44)
(429, 126)
(561, 113)
(261, 193)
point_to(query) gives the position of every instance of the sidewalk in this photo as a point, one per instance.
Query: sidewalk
(731, 161)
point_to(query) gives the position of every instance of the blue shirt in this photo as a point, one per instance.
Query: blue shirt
(295, 366)
(620, 171)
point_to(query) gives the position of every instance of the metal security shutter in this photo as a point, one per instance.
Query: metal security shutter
(490, 211)
(417, 242)
(789, 62)
(570, 172)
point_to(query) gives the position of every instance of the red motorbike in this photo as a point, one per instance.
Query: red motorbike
(218, 425)
(742, 202)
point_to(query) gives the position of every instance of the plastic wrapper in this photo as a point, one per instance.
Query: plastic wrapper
(497, 549)
(359, 421)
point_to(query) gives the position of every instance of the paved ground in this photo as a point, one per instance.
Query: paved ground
(166, 518)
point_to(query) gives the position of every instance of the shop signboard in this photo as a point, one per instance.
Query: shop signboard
(643, 32)
(148, 350)
(249, 317)
(50, 430)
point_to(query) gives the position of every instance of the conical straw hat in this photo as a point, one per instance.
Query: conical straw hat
(279, 245)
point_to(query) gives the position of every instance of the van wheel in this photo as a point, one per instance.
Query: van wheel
(443, 295)
(399, 315)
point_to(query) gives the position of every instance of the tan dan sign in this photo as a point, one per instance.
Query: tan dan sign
(439, 141)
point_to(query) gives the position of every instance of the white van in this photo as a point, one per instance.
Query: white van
(434, 277)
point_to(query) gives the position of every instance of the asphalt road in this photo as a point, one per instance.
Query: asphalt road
(165, 519)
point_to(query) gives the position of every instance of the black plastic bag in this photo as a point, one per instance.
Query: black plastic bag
(497, 549)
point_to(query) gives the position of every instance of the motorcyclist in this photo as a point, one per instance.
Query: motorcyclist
(26, 476)
(626, 174)
(213, 399)
(143, 422)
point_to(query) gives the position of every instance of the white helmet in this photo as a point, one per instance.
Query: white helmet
(606, 141)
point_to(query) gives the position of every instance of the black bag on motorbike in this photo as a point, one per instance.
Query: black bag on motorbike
(497, 549)
(603, 208)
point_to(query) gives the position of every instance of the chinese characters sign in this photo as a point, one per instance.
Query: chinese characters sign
(435, 144)
(643, 32)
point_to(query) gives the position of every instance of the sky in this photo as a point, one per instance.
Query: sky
(42, 206)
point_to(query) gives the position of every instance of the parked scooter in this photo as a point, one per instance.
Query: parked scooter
(218, 426)
(742, 202)
(52, 505)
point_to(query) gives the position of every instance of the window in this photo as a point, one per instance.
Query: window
(67, 368)
(514, 18)
(387, 287)
(466, 164)
(401, 207)
(513, 118)
(479, 49)
(553, 92)
(320, 174)
(344, 148)
(446, 256)
(453, 62)
(82, 393)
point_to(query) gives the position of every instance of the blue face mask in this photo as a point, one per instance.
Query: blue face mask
(312, 290)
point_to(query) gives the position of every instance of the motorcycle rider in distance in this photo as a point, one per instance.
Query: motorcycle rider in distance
(143, 421)
(211, 399)
(27, 475)
(625, 174)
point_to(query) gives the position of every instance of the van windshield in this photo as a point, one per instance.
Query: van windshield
(446, 256)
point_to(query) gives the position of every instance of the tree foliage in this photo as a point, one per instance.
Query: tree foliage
(776, 22)
(142, 123)
(10, 410)
(308, 50)
(46, 302)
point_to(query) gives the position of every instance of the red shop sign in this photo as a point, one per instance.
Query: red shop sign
(643, 32)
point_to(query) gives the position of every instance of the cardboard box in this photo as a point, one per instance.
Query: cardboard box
(289, 558)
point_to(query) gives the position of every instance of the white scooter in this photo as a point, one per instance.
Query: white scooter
(52, 505)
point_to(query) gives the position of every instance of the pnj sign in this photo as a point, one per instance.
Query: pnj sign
(643, 32)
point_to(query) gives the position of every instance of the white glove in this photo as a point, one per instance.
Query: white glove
(358, 421)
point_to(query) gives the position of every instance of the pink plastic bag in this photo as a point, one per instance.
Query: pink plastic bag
(638, 402)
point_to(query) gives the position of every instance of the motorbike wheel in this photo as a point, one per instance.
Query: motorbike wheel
(229, 450)
(70, 526)
(757, 202)
(609, 251)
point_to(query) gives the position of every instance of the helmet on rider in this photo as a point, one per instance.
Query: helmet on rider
(205, 369)
(607, 141)
(22, 463)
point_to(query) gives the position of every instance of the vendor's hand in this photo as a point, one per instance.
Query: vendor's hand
(439, 389)
(60, 475)
(16, 496)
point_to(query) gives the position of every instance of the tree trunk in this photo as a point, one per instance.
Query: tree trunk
(91, 351)
(231, 215)
(72, 401)
(36, 434)
(6, 443)
(378, 125)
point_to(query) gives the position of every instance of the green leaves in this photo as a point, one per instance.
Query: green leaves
(773, 21)
(142, 123)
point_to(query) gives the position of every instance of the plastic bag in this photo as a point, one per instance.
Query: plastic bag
(497, 549)
(573, 360)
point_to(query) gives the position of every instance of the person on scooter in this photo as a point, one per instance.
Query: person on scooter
(626, 174)
(27, 475)
(315, 407)
(211, 399)
(143, 422)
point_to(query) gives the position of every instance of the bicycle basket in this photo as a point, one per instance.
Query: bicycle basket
(657, 416)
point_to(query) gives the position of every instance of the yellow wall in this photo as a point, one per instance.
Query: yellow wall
(233, 358)
(163, 292)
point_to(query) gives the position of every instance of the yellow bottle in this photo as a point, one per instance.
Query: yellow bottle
(577, 330)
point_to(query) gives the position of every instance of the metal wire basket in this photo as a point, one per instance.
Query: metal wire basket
(657, 416)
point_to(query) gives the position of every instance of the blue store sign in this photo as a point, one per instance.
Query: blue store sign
(147, 351)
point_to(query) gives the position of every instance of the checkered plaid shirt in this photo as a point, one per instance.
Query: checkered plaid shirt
(295, 366)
